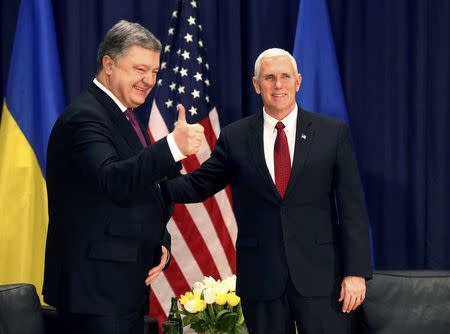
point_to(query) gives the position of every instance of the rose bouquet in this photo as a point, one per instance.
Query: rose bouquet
(213, 307)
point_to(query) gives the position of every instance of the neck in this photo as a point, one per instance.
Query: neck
(103, 79)
(279, 115)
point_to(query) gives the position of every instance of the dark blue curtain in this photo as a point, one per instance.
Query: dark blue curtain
(393, 58)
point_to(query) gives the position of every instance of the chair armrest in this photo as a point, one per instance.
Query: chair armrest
(407, 302)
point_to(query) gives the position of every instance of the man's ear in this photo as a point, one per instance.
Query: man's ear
(107, 64)
(298, 83)
(256, 86)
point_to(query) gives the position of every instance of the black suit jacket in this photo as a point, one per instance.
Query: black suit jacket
(106, 214)
(317, 234)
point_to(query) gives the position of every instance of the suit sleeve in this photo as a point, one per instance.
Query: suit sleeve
(93, 152)
(352, 214)
(167, 242)
(211, 177)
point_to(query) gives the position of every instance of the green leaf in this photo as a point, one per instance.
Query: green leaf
(189, 319)
(211, 312)
(228, 322)
(240, 329)
(204, 316)
(241, 314)
(221, 313)
(198, 327)
(218, 308)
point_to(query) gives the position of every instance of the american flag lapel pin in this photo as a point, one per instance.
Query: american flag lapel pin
(303, 136)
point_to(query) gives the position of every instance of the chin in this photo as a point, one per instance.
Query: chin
(140, 100)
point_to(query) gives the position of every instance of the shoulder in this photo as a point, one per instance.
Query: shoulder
(329, 127)
(322, 120)
(84, 107)
(83, 112)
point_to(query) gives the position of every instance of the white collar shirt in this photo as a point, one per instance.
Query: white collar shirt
(270, 134)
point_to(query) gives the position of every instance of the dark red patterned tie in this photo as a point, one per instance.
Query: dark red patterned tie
(282, 160)
(135, 124)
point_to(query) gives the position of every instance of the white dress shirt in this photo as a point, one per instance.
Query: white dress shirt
(270, 134)
(176, 153)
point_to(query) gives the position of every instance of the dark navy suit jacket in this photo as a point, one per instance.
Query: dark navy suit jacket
(317, 234)
(107, 217)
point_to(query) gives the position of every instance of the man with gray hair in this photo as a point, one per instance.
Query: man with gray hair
(302, 247)
(107, 238)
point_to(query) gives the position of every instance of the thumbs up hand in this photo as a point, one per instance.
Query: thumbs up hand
(181, 114)
(188, 137)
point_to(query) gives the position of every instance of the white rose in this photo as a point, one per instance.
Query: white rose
(220, 289)
(198, 288)
(230, 283)
(209, 295)
(209, 282)
(190, 306)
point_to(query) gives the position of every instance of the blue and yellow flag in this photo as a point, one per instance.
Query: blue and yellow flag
(34, 98)
(321, 89)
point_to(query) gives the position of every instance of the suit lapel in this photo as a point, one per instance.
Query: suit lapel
(118, 118)
(303, 140)
(124, 126)
(256, 144)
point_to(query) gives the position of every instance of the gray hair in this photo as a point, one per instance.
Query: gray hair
(274, 52)
(122, 36)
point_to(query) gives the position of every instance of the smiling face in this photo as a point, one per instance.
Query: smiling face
(131, 76)
(277, 83)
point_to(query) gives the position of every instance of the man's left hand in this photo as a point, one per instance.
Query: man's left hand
(155, 271)
(353, 292)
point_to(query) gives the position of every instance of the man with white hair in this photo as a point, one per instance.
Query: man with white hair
(303, 244)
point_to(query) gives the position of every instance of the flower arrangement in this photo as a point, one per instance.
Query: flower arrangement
(213, 307)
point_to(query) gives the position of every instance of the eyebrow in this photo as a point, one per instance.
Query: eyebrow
(147, 67)
(272, 74)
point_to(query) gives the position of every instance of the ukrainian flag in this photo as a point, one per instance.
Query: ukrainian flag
(34, 98)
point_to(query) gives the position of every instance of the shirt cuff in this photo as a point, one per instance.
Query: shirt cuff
(176, 153)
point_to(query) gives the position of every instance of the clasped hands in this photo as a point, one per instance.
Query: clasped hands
(188, 137)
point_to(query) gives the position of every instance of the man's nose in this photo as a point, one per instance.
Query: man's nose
(278, 83)
(149, 79)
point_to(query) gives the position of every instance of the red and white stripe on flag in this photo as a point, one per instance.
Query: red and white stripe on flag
(203, 234)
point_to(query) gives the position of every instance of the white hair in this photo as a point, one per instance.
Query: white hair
(274, 52)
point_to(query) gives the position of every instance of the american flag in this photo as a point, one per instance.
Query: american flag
(203, 234)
